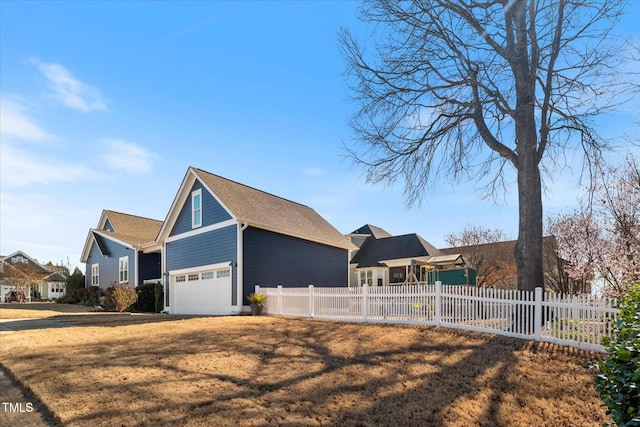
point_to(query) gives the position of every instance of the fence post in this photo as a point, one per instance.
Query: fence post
(438, 301)
(279, 299)
(311, 304)
(365, 302)
(537, 317)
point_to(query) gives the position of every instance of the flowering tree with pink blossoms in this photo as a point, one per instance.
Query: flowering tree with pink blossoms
(601, 239)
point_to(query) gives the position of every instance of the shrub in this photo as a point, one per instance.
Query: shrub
(122, 297)
(159, 297)
(146, 298)
(88, 296)
(257, 299)
(619, 375)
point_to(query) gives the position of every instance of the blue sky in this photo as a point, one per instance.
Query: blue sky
(105, 105)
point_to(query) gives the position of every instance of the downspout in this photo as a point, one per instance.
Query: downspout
(135, 266)
(166, 283)
(242, 225)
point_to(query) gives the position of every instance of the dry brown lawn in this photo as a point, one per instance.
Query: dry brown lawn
(37, 310)
(269, 371)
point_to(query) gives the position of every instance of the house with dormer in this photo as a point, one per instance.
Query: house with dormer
(383, 259)
(122, 250)
(218, 241)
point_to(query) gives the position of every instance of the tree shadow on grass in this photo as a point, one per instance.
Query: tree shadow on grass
(283, 372)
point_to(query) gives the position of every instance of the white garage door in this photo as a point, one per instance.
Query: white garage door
(206, 291)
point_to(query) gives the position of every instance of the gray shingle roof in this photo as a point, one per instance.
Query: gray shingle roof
(395, 247)
(132, 229)
(264, 210)
(372, 230)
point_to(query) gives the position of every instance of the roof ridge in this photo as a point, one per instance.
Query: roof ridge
(133, 215)
(252, 188)
(401, 235)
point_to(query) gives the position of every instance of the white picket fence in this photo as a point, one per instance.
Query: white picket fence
(576, 321)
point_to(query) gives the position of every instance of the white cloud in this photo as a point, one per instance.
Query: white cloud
(313, 171)
(20, 168)
(14, 122)
(128, 156)
(70, 91)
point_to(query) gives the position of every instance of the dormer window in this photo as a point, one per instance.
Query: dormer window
(196, 208)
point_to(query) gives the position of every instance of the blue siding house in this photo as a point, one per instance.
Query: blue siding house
(123, 250)
(221, 238)
(218, 241)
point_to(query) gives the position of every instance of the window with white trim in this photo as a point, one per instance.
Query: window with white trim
(196, 208)
(95, 274)
(180, 279)
(123, 269)
(193, 277)
(366, 277)
(208, 275)
(223, 273)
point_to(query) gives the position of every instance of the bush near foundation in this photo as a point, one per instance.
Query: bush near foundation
(150, 298)
(146, 302)
(122, 296)
(85, 296)
(618, 379)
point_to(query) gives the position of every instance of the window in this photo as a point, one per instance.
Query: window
(95, 274)
(196, 208)
(208, 275)
(123, 269)
(181, 278)
(366, 277)
(193, 277)
(223, 273)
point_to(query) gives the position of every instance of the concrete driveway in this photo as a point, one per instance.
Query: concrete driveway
(14, 325)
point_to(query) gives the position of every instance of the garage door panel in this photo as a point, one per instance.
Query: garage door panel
(202, 292)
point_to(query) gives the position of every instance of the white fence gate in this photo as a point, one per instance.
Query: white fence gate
(576, 321)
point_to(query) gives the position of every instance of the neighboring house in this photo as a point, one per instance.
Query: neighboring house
(383, 259)
(19, 271)
(495, 264)
(218, 241)
(122, 249)
(221, 238)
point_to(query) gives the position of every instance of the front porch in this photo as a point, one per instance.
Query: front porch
(449, 269)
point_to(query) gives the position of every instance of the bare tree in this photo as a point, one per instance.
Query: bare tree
(469, 89)
(480, 248)
(23, 277)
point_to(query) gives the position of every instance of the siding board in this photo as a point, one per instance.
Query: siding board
(148, 266)
(109, 266)
(212, 211)
(272, 259)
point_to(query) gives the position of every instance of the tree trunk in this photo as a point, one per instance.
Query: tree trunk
(528, 250)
